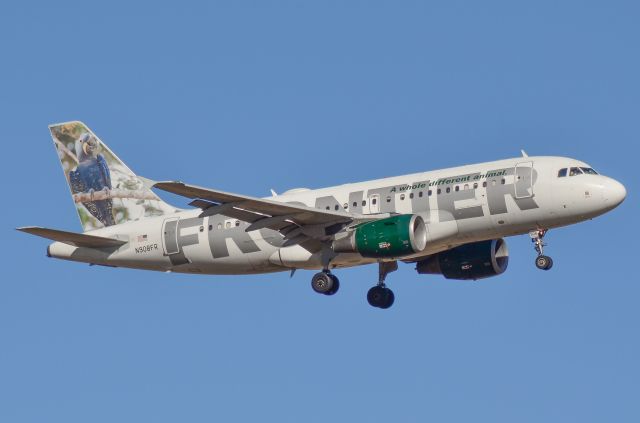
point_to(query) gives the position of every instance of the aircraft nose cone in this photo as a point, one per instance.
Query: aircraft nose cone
(614, 193)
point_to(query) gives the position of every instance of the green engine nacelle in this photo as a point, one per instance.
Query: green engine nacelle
(396, 236)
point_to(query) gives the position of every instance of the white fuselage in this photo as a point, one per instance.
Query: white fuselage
(460, 205)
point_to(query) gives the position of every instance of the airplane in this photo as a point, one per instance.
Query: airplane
(450, 222)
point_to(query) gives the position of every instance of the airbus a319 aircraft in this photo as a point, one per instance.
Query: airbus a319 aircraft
(450, 222)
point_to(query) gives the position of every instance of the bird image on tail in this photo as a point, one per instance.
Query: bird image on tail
(104, 190)
(92, 174)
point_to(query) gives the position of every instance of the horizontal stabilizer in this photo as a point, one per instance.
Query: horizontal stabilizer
(72, 238)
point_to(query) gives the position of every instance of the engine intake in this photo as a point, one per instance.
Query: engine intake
(395, 236)
(477, 260)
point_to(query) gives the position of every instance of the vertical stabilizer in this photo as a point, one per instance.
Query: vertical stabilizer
(104, 190)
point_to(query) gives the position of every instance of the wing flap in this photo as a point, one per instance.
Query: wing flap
(73, 238)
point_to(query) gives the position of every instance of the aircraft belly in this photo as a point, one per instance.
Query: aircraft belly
(479, 227)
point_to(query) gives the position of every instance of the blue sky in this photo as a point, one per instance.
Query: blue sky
(248, 96)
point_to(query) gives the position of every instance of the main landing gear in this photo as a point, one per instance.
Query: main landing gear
(542, 262)
(325, 283)
(380, 296)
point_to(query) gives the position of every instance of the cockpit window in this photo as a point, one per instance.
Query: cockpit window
(575, 171)
(562, 173)
(589, 171)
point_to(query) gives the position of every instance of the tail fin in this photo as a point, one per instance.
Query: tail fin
(105, 191)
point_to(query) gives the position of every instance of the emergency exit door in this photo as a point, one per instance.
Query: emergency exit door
(170, 236)
(523, 180)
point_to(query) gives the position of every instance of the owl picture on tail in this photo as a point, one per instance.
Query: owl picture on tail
(91, 175)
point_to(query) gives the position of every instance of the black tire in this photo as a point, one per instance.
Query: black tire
(380, 297)
(336, 285)
(544, 262)
(389, 299)
(373, 296)
(322, 283)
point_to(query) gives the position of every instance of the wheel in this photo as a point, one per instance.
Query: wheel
(322, 282)
(336, 285)
(381, 297)
(375, 295)
(389, 298)
(544, 262)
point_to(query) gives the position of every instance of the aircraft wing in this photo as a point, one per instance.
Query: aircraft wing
(295, 221)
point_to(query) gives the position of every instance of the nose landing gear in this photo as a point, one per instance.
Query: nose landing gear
(542, 262)
(380, 296)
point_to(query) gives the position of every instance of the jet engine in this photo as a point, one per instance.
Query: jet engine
(477, 260)
(396, 236)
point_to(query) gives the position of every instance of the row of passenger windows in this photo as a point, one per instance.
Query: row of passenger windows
(429, 193)
(575, 171)
(228, 224)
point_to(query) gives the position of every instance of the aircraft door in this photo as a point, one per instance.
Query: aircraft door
(374, 203)
(523, 180)
(170, 236)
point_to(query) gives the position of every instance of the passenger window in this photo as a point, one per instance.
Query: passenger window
(388, 199)
(374, 201)
(364, 203)
(429, 193)
(210, 227)
(466, 187)
(237, 223)
(575, 171)
(439, 191)
(502, 181)
(420, 194)
(328, 208)
(411, 195)
(475, 185)
(562, 173)
(227, 225)
(219, 226)
(201, 228)
(401, 197)
(484, 184)
(448, 190)
(345, 205)
(336, 207)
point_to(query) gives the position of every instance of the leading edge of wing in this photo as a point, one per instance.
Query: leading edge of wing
(303, 215)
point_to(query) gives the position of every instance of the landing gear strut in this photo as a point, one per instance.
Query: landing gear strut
(542, 262)
(325, 283)
(380, 296)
